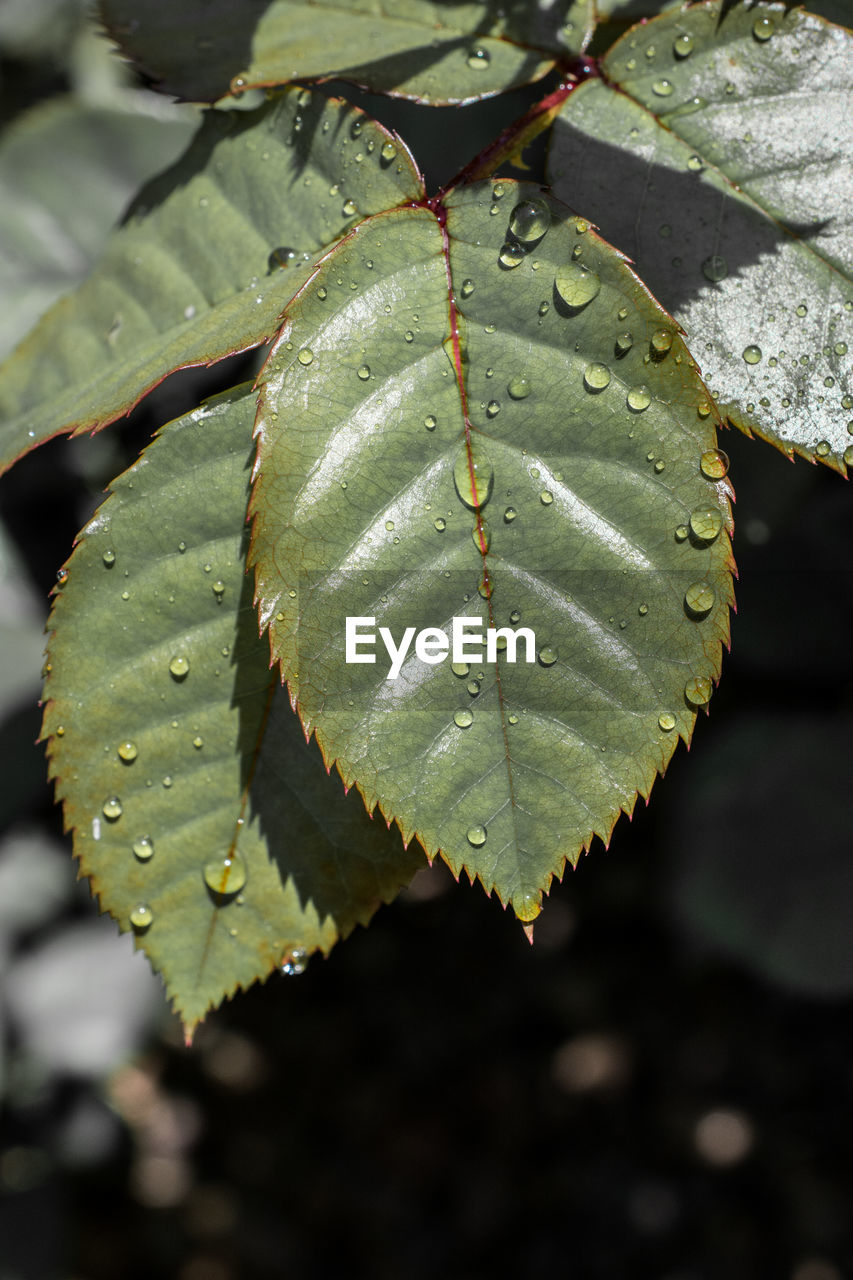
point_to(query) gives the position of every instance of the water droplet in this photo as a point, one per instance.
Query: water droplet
(705, 525)
(699, 599)
(60, 731)
(530, 220)
(61, 577)
(294, 962)
(544, 308)
(802, 310)
(659, 466)
(510, 514)
(109, 558)
(624, 343)
(763, 28)
(127, 751)
(350, 208)
(143, 848)
(682, 532)
(823, 448)
(596, 377)
(703, 409)
(493, 408)
(430, 422)
(715, 268)
(476, 836)
(179, 666)
(112, 808)
(225, 875)
(473, 688)
(848, 462)
(642, 610)
(519, 388)
(198, 743)
(511, 255)
(363, 372)
(218, 589)
(547, 656)
(666, 721)
(440, 524)
(638, 399)
(682, 46)
(473, 475)
(752, 354)
(460, 669)
(714, 464)
(663, 88)
(463, 718)
(661, 342)
(698, 691)
(478, 59)
(141, 916)
(841, 348)
(305, 356)
(481, 535)
(576, 285)
(546, 498)
(695, 165)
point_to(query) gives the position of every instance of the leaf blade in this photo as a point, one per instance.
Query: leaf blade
(357, 513)
(759, 250)
(188, 279)
(208, 761)
(415, 50)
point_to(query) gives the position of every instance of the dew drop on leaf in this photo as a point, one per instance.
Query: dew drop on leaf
(112, 808)
(363, 372)
(576, 285)
(510, 514)
(682, 46)
(666, 721)
(476, 835)
(430, 422)
(638, 399)
(305, 356)
(663, 88)
(823, 448)
(547, 656)
(141, 917)
(698, 691)
(763, 28)
(463, 718)
(546, 497)
(699, 599)
(624, 343)
(127, 751)
(179, 666)
(143, 848)
(714, 464)
(225, 875)
(388, 152)
(661, 342)
(715, 268)
(706, 524)
(294, 962)
(109, 558)
(473, 475)
(511, 255)
(478, 59)
(752, 354)
(530, 220)
(596, 377)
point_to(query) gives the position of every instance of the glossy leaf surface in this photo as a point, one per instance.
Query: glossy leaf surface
(506, 454)
(174, 747)
(721, 162)
(209, 255)
(431, 51)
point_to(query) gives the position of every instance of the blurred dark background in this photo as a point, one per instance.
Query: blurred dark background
(660, 1087)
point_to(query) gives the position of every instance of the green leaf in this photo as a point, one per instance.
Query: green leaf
(719, 158)
(202, 267)
(67, 171)
(587, 467)
(423, 49)
(165, 722)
